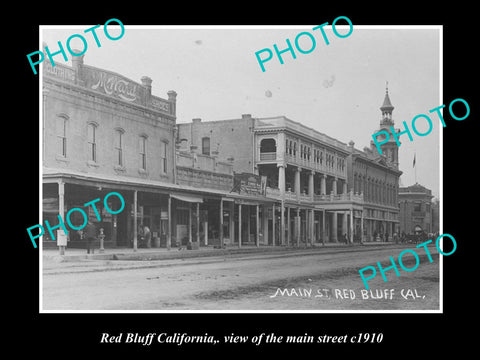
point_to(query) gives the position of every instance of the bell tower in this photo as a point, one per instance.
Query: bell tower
(390, 148)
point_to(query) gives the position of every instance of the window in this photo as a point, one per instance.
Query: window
(62, 136)
(119, 146)
(143, 152)
(92, 145)
(417, 206)
(163, 156)
(268, 146)
(206, 146)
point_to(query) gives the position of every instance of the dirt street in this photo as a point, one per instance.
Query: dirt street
(324, 280)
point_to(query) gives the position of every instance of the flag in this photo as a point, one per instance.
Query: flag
(414, 156)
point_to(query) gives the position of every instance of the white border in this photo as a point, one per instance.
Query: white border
(242, 27)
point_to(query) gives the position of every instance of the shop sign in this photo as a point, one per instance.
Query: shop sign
(250, 184)
(114, 85)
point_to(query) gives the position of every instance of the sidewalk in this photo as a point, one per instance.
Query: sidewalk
(142, 254)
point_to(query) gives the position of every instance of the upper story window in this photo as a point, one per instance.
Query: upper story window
(417, 206)
(206, 146)
(61, 129)
(119, 146)
(163, 156)
(268, 146)
(92, 142)
(143, 152)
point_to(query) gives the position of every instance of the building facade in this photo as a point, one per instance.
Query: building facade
(418, 213)
(376, 177)
(246, 181)
(103, 132)
(320, 189)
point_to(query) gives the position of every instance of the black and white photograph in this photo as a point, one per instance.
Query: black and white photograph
(280, 169)
(275, 178)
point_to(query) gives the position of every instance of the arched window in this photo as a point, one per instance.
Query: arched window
(268, 146)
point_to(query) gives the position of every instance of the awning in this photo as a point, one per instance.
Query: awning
(188, 198)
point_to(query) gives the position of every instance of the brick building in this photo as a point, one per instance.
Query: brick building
(418, 213)
(103, 132)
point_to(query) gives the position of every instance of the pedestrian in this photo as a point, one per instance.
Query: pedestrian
(90, 235)
(147, 236)
(140, 237)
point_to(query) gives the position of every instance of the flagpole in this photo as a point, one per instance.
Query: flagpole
(414, 165)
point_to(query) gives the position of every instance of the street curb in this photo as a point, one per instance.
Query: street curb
(188, 254)
(143, 262)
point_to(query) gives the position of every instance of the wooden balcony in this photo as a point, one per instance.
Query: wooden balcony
(275, 194)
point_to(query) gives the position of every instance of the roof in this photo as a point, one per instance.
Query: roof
(133, 183)
(387, 104)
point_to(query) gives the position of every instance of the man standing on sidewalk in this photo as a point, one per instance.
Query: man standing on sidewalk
(90, 235)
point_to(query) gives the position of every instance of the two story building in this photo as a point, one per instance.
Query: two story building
(318, 189)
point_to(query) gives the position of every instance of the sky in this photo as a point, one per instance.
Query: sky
(336, 89)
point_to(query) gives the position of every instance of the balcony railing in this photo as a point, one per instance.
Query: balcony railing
(275, 194)
(267, 156)
(323, 168)
(339, 197)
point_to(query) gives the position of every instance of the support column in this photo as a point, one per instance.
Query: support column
(282, 223)
(324, 225)
(312, 224)
(344, 187)
(345, 226)
(249, 218)
(190, 223)
(297, 227)
(334, 186)
(257, 225)
(281, 178)
(135, 226)
(310, 184)
(61, 211)
(198, 224)
(265, 225)
(289, 228)
(351, 226)
(273, 225)
(239, 225)
(323, 184)
(169, 230)
(297, 183)
(334, 229)
(220, 230)
(361, 228)
(231, 223)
